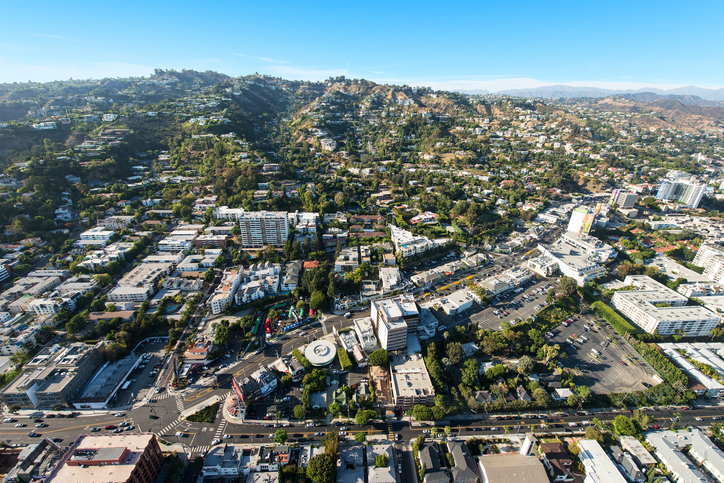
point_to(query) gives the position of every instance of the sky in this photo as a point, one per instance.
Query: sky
(453, 45)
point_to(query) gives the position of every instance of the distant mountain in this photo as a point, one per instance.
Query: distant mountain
(689, 94)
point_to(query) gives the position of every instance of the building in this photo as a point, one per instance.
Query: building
(262, 228)
(599, 467)
(557, 461)
(464, 470)
(627, 465)
(320, 352)
(668, 446)
(411, 383)
(104, 256)
(305, 222)
(292, 276)
(351, 465)
(657, 309)
(393, 319)
(98, 235)
(508, 280)
(591, 246)
(110, 458)
(511, 467)
(365, 333)
(624, 199)
(226, 290)
(35, 462)
(573, 262)
(407, 244)
(390, 278)
(581, 221)
(429, 456)
(140, 283)
(259, 281)
(685, 355)
(54, 377)
(106, 382)
(683, 189)
(347, 261)
(116, 222)
(196, 263)
(711, 258)
(211, 240)
(386, 474)
(637, 451)
(454, 303)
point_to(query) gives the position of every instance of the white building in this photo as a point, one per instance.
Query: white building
(226, 290)
(624, 199)
(410, 381)
(140, 283)
(668, 445)
(304, 222)
(407, 244)
(262, 228)
(98, 235)
(599, 467)
(572, 262)
(455, 303)
(705, 353)
(390, 278)
(104, 256)
(682, 188)
(259, 281)
(581, 221)
(365, 333)
(196, 263)
(393, 319)
(659, 310)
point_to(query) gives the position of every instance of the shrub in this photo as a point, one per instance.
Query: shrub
(344, 359)
(618, 323)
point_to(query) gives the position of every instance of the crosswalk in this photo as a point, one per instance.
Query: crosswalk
(170, 427)
(220, 429)
(390, 433)
(180, 403)
(159, 397)
(200, 449)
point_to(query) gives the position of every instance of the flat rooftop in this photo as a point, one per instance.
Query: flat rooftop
(106, 380)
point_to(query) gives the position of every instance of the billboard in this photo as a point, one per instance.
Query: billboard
(237, 389)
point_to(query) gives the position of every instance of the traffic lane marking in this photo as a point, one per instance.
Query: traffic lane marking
(74, 427)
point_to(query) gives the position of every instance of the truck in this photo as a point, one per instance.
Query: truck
(595, 351)
(347, 315)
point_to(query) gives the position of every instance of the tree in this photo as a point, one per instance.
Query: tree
(286, 380)
(280, 436)
(422, 413)
(14, 409)
(567, 286)
(75, 324)
(221, 335)
(381, 461)
(103, 279)
(209, 275)
(551, 297)
(379, 358)
(572, 400)
(334, 409)
(541, 397)
(469, 372)
(624, 426)
(317, 301)
(364, 416)
(360, 437)
(331, 445)
(593, 433)
(299, 411)
(235, 230)
(525, 365)
(322, 468)
(454, 351)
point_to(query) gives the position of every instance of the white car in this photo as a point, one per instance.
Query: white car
(216, 441)
(698, 419)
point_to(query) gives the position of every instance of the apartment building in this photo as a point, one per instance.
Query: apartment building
(657, 309)
(140, 283)
(411, 383)
(116, 222)
(262, 228)
(681, 188)
(226, 290)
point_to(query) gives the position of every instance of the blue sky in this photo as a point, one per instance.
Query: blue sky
(447, 45)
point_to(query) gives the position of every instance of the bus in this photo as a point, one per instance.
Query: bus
(126, 385)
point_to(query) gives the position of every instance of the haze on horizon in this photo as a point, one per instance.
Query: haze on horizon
(458, 46)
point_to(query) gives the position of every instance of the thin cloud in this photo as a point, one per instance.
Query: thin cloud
(58, 37)
(265, 59)
(378, 72)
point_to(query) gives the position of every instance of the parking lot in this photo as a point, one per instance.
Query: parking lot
(143, 378)
(519, 306)
(616, 368)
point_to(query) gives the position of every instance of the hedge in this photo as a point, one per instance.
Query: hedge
(663, 366)
(344, 359)
(302, 360)
(618, 323)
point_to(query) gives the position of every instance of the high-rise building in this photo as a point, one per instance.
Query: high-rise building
(393, 319)
(684, 189)
(624, 199)
(262, 228)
